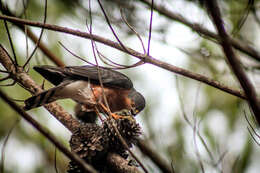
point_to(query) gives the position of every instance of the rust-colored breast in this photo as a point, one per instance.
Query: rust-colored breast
(117, 98)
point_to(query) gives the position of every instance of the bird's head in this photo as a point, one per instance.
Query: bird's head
(137, 102)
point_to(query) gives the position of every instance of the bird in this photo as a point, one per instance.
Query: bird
(87, 85)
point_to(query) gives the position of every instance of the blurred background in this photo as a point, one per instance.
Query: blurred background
(192, 126)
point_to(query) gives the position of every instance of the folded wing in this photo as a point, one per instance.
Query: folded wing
(111, 78)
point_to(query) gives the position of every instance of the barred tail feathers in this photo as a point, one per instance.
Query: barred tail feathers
(41, 99)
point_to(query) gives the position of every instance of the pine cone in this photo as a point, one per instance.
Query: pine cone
(93, 142)
(129, 130)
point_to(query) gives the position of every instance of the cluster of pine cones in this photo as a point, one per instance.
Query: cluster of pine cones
(93, 142)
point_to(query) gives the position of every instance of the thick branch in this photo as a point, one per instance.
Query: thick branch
(18, 75)
(120, 165)
(158, 161)
(249, 50)
(233, 60)
(145, 58)
(47, 134)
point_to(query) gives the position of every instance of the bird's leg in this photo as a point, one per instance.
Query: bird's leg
(125, 114)
(107, 111)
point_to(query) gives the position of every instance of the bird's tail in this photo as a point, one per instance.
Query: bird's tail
(41, 99)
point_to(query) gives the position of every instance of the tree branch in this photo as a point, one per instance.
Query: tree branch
(247, 49)
(143, 57)
(18, 74)
(47, 134)
(120, 165)
(233, 60)
(158, 161)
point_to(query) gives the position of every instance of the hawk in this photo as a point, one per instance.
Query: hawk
(82, 84)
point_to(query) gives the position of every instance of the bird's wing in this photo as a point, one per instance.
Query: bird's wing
(110, 78)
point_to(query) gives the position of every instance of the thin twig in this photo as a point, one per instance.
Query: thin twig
(108, 61)
(10, 42)
(196, 132)
(55, 160)
(241, 46)
(4, 71)
(251, 134)
(25, 31)
(115, 65)
(5, 78)
(242, 20)
(3, 8)
(111, 28)
(133, 30)
(196, 147)
(76, 56)
(147, 59)
(251, 126)
(5, 143)
(187, 120)
(150, 29)
(39, 40)
(95, 57)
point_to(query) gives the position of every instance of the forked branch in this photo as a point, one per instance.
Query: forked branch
(141, 56)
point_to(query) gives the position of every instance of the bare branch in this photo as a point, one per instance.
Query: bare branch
(133, 30)
(145, 58)
(234, 62)
(247, 49)
(76, 56)
(39, 40)
(158, 161)
(110, 26)
(150, 29)
(243, 18)
(120, 165)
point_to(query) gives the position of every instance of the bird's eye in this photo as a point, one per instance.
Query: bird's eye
(134, 111)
